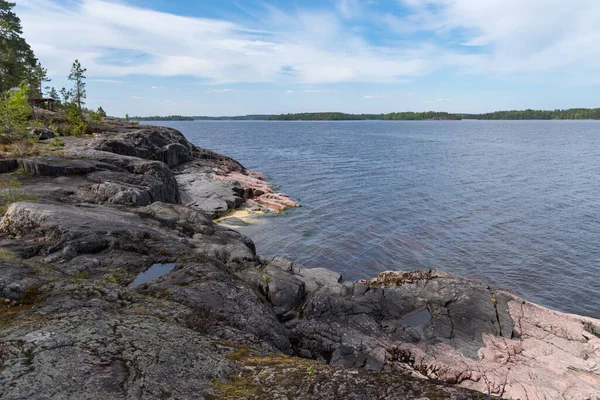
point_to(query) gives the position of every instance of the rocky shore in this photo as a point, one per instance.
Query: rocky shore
(84, 220)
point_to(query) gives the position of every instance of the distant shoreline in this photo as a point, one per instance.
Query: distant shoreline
(513, 115)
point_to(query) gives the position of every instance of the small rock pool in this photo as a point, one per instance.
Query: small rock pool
(155, 271)
(417, 319)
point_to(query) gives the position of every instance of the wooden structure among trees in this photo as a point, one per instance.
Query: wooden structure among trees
(47, 103)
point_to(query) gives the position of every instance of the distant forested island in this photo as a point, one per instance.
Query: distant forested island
(167, 118)
(202, 118)
(337, 116)
(573, 113)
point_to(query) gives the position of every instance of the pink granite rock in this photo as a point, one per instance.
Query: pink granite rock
(262, 192)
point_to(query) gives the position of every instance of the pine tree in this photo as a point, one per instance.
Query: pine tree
(78, 92)
(66, 95)
(52, 93)
(16, 57)
(37, 77)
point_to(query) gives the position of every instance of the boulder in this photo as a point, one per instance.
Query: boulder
(151, 143)
(41, 133)
(215, 198)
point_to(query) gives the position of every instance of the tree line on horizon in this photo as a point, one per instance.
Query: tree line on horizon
(529, 114)
(572, 113)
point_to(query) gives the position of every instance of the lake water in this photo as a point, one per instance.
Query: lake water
(513, 204)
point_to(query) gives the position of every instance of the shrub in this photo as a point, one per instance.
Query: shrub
(77, 125)
(13, 194)
(24, 148)
(57, 143)
(15, 111)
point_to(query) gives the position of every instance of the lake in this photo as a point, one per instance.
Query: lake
(515, 204)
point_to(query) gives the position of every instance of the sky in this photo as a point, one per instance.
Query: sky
(237, 57)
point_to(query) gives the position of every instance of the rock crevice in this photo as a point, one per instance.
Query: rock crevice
(225, 322)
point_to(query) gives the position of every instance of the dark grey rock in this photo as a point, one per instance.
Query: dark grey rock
(72, 327)
(8, 165)
(60, 166)
(128, 189)
(41, 133)
(150, 143)
(213, 197)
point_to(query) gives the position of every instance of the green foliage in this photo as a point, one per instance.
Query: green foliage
(15, 111)
(101, 112)
(77, 76)
(76, 123)
(36, 77)
(52, 93)
(80, 275)
(12, 193)
(66, 95)
(57, 143)
(16, 57)
(127, 117)
(337, 116)
(94, 116)
(573, 113)
(169, 118)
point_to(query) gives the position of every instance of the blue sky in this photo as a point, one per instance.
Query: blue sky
(226, 57)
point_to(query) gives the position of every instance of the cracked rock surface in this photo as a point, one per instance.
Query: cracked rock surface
(225, 323)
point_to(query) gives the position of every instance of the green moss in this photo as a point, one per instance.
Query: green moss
(240, 354)
(119, 277)
(7, 255)
(80, 275)
(32, 295)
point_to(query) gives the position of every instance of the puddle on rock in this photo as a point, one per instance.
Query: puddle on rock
(155, 271)
(417, 319)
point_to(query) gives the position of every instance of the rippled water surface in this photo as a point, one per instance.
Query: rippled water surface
(513, 204)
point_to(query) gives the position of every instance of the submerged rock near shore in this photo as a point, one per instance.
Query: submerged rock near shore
(223, 322)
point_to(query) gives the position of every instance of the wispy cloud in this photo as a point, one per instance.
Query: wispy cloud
(156, 87)
(301, 46)
(220, 91)
(440, 100)
(377, 96)
(319, 91)
(137, 97)
(289, 92)
(100, 80)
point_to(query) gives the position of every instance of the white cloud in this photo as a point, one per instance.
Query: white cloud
(137, 97)
(440, 100)
(319, 91)
(516, 36)
(377, 96)
(289, 91)
(115, 39)
(157, 87)
(492, 37)
(220, 91)
(99, 80)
